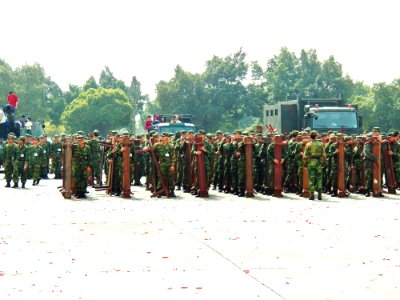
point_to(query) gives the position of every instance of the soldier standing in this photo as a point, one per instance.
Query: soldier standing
(314, 159)
(37, 158)
(166, 160)
(81, 161)
(56, 155)
(21, 163)
(9, 154)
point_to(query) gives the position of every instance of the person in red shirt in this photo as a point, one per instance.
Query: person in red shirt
(148, 123)
(12, 99)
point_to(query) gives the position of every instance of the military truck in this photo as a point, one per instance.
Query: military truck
(321, 114)
(173, 127)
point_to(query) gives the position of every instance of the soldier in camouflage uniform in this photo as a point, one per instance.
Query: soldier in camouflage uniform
(44, 171)
(395, 153)
(93, 143)
(227, 155)
(81, 163)
(369, 159)
(21, 163)
(237, 135)
(217, 178)
(258, 164)
(357, 163)
(8, 158)
(37, 159)
(302, 141)
(114, 156)
(291, 163)
(56, 156)
(328, 183)
(314, 159)
(28, 143)
(166, 160)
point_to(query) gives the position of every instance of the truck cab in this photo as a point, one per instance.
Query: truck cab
(172, 127)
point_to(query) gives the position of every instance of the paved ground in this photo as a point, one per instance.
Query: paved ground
(189, 248)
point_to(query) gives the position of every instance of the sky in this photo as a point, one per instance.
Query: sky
(75, 39)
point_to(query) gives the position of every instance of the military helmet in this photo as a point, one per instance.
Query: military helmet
(96, 132)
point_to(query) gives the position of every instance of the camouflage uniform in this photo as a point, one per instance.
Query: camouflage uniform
(9, 155)
(314, 158)
(166, 159)
(21, 158)
(37, 159)
(81, 160)
(56, 156)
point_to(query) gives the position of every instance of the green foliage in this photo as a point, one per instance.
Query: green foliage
(55, 101)
(6, 80)
(90, 84)
(30, 86)
(108, 81)
(102, 109)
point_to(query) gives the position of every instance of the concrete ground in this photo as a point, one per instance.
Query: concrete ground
(223, 247)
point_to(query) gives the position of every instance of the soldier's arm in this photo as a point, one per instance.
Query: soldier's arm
(367, 153)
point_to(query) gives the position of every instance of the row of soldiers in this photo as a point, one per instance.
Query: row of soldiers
(28, 157)
(173, 161)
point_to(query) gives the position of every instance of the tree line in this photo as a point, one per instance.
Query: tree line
(228, 94)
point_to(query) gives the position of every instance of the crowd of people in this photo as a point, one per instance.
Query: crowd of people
(177, 161)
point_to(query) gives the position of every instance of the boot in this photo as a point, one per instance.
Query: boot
(172, 194)
(15, 185)
(8, 184)
(235, 191)
(34, 182)
(37, 181)
(220, 189)
(178, 187)
(319, 196)
(241, 192)
(23, 185)
(214, 187)
(311, 196)
(368, 194)
(334, 193)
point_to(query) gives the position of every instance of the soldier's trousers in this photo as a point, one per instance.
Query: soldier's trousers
(168, 176)
(234, 174)
(227, 176)
(8, 171)
(35, 171)
(258, 175)
(315, 176)
(19, 172)
(80, 177)
(241, 173)
(56, 165)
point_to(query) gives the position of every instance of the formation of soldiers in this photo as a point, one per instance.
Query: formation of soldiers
(242, 163)
(28, 158)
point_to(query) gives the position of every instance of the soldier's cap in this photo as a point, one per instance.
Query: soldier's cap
(376, 129)
(226, 134)
(218, 132)
(339, 135)
(80, 132)
(245, 133)
(201, 131)
(278, 135)
(209, 136)
(117, 135)
(89, 134)
(165, 134)
(56, 136)
(252, 131)
(125, 133)
(183, 131)
(190, 131)
(139, 136)
(96, 132)
(11, 136)
(369, 136)
(359, 137)
(329, 132)
(34, 138)
(177, 134)
(391, 134)
(63, 135)
(80, 137)
(44, 134)
(259, 135)
(305, 133)
(114, 132)
(21, 138)
(396, 133)
(28, 135)
(313, 132)
(238, 132)
(384, 135)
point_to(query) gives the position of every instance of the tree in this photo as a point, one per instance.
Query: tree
(31, 90)
(308, 72)
(282, 75)
(72, 93)
(331, 82)
(137, 101)
(55, 101)
(6, 80)
(102, 109)
(90, 84)
(108, 81)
